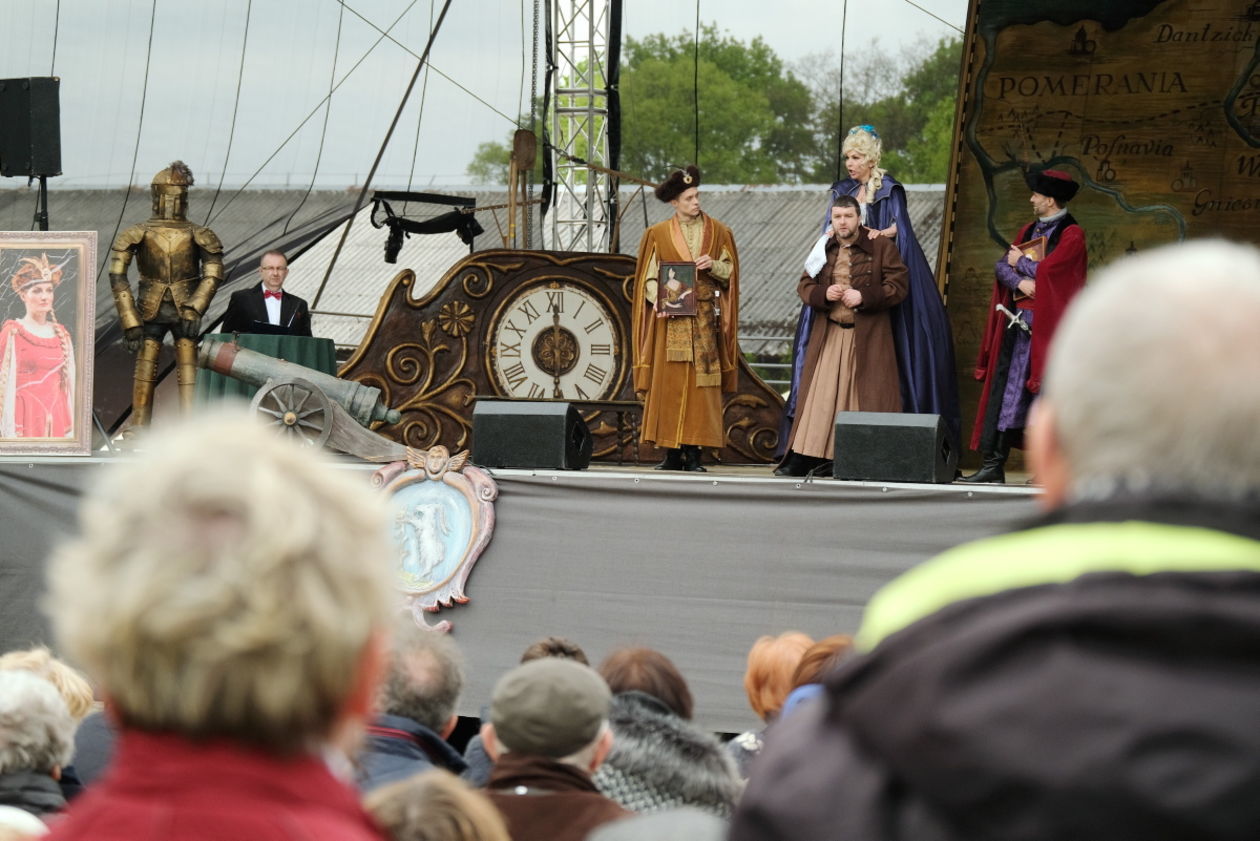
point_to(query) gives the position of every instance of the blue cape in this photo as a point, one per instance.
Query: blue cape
(921, 331)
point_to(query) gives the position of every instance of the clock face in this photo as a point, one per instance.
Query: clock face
(555, 340)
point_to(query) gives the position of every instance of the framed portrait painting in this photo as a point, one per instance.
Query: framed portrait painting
(676, 289)
(47, 330)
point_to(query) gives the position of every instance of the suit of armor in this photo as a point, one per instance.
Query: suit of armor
(181, 266)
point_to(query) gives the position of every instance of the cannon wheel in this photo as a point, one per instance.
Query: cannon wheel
(297, 409)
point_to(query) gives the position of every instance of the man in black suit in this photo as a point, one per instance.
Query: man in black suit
(267, 302)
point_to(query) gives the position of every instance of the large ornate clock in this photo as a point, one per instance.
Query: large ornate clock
(556, 339)
(529, 325)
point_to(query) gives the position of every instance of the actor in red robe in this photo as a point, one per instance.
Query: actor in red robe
(1036, 292)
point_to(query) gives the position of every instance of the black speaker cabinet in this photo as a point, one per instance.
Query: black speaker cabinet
(30, 126)
(529, 434)
(890, 447)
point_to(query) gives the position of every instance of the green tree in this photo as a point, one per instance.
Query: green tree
(754, 114)
(910, 99)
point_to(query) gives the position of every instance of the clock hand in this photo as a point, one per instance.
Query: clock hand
(555, 358)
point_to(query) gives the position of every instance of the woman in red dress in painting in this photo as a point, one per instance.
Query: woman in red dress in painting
(36, 360)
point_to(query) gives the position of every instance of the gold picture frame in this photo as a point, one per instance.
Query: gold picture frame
(47, 341)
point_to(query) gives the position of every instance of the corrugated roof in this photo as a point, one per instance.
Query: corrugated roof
(774, 228)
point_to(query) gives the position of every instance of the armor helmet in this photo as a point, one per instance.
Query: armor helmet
(170, 191)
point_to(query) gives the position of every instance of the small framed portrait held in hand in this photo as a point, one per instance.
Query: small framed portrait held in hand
(676, 289)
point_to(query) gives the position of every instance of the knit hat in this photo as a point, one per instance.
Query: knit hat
(549, 707)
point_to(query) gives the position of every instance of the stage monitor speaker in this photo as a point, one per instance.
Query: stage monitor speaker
(30, 126)
(893, 447)
(530, 434)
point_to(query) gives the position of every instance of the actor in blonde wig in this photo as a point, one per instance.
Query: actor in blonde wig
(228, 591)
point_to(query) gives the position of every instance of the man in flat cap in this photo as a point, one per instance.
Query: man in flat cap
(685, 354)
(1036, 279)
(548, 733)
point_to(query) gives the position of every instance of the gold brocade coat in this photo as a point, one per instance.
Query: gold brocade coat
(676, 409)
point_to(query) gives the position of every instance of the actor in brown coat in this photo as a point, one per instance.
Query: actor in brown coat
(850, 361)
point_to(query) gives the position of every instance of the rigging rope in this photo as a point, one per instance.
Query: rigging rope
(52, 68)
(695, 82)
(424, 93)
(931, 15)
(313, 112)
(533, 127)
(135, 156)
(236, 104)
(323, 132)
(345, 232)
(844, 23)
(385, 34)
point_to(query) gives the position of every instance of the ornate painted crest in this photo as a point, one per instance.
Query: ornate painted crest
(443, 519)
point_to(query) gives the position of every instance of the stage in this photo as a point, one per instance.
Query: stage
(696, 564)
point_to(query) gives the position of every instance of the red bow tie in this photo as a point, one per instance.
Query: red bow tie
(267, 293)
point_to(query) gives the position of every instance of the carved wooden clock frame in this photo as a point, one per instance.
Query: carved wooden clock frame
(533, 325)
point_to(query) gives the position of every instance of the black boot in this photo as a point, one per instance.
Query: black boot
(992, 467)
(821, 467)
(794, 464)
(672, 461)
(691, 459)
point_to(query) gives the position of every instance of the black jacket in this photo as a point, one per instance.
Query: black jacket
(1093, 677)
(247, 306)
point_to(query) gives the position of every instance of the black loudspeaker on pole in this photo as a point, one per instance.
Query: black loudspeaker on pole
(30, 133)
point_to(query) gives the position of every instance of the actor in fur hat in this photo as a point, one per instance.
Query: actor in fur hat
(1036, 291)
(684, 362)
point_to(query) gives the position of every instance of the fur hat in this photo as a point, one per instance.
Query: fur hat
(678, 181)
(1054, 183)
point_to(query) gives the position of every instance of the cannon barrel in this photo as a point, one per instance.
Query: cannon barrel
(362, 402)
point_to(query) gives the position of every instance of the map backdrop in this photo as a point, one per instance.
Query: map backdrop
(1153, 106)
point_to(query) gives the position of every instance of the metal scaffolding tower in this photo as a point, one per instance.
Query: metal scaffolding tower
(579, 56)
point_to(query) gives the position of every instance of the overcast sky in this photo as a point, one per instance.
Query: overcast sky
(109, 118)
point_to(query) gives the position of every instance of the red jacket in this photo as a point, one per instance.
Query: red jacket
(163, 787)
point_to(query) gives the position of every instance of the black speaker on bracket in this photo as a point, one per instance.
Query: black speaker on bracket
(892, 447)
(30, 126)
(530, 434)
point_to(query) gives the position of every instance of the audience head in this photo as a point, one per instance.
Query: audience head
(553, 708)
(435, 805)
(239, 587)
(20, 825)
(683, 824)
(36, 728)
(424, 677)
(555, 647)
(771, 662)
(636, 669)
(73, 686)
(820, 658)
(1149, 385)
